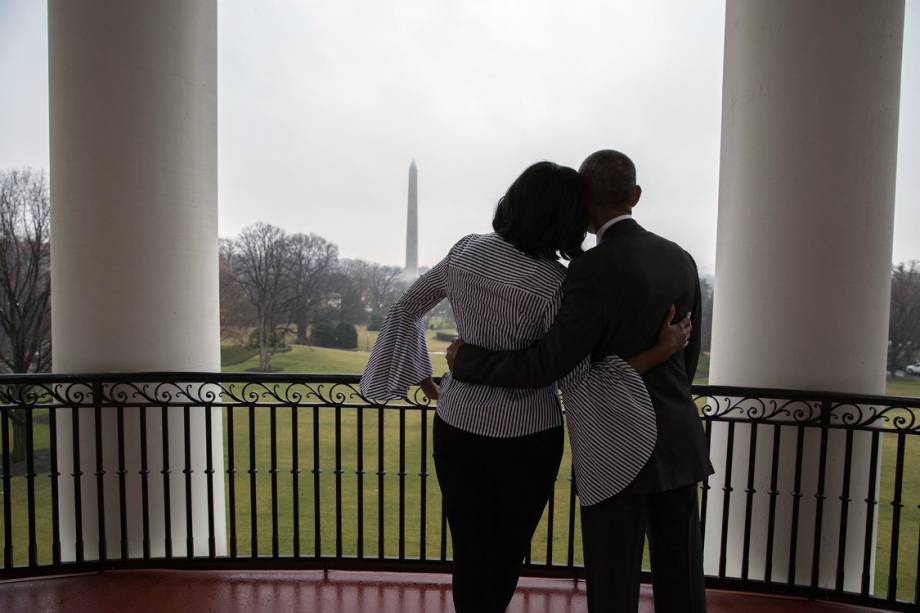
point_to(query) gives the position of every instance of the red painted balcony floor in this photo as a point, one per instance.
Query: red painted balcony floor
(151, 591)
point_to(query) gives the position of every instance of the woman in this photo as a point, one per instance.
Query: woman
(497, 450)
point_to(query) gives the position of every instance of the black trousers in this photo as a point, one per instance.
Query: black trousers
(613, 533)
(494, 491)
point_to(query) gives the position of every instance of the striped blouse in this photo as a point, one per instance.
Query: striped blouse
(504, 299)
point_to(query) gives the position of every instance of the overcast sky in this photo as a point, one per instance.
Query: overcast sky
(323, 106)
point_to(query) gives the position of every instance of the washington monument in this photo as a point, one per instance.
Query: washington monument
(412, 224)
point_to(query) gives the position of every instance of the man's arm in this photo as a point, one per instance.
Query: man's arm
(580, 323)
(692, 352)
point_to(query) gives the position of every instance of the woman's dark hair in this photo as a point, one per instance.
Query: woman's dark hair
(543, 212)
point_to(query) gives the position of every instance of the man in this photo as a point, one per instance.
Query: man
(614, 297)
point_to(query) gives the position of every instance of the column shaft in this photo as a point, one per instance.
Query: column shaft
(133, 111)
(806, 200)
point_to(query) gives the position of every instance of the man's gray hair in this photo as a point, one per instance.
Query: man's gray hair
(610, 177)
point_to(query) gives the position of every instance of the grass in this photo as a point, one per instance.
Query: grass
(235, 354)
(419, 470)
(309, 359)
(903, 387)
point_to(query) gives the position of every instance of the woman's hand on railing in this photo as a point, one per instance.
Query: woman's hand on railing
(430, 388)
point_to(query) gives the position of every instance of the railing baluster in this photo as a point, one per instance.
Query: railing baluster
(381, 473)
(917, 579)
(295, 481)
(122, 494)
(100, 472)
(360, 476)
(844, 510)
(338, 481)
(231, 480)
(705, 487)
(145, 493)
(796, 499)
(167, 511)
(570, 553)
(749, 502)
(819, 498)
(896, 506)
(726, 498)
(77, 475)
(55, 495)
(402, 483)
(187, 471)
(771, 513)
(871, 503)
(253, 506)
(317, 533)
(7, 490)
(273, 471)
(423, 478)
(209, 475)
(30, 485)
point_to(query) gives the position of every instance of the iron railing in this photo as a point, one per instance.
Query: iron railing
(126, 471)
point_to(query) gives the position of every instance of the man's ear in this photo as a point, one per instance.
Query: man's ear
(637, 193)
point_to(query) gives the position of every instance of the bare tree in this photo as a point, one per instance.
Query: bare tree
(25, 288)
(311, 265)
(346, 297)
(260, 258)
(237, 314)
(904, 322)
(384, 285)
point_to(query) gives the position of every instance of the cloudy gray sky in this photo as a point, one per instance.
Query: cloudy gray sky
(324, 104)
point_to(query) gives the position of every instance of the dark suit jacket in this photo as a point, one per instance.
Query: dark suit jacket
(615, 298)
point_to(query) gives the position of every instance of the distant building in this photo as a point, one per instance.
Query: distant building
(412, 224)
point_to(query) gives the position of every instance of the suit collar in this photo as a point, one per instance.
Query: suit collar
(626, 226)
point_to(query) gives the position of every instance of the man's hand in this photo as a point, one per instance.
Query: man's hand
(452, 352)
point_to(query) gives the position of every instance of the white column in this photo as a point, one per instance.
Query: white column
(806, 201)
(133, 110)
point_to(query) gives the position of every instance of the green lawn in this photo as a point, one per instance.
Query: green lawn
(307, 359)
(419, 468)
(903, 387)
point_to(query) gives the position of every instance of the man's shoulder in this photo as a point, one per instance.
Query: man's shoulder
(667, 245)
(592, 259)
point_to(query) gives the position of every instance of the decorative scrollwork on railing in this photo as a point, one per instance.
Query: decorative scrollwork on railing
(891, 417)
(813, 413)
(747, 408)
(418, 398)
(40, 394)
(65, 391)
(255, 392)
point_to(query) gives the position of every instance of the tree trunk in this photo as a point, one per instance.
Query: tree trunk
(301, 324)
(263, 346)
(18, 423)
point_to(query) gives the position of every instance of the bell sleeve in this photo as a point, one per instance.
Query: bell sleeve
(400, 356)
